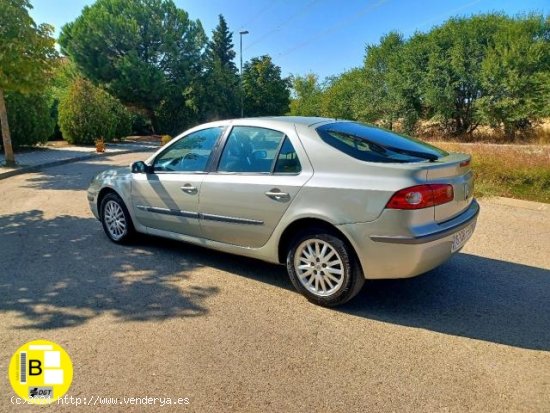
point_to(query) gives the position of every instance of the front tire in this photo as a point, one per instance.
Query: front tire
(324, 269)
(116, 219)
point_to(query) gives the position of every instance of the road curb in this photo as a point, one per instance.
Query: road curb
(38, 167)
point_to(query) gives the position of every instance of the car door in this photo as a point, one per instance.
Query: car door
(258, 175)
(168, 198)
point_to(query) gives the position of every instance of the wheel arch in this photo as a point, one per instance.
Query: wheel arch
(302, 225)
(103, 193)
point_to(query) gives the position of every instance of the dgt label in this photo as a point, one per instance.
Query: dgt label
(40, 371)
(41, 392)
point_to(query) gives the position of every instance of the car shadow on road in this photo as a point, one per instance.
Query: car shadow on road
(469, 296)
(62, 272)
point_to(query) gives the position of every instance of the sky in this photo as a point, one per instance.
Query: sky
(326, 37)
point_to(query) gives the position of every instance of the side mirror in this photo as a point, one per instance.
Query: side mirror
(140, 167)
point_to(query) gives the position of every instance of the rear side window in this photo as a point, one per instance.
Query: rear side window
(287, 161)
(372, 144)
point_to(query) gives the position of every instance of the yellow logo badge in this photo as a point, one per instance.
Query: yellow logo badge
(40, 372)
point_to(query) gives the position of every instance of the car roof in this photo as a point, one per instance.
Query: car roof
(298, 120)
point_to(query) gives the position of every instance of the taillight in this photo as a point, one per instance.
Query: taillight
(421, 196)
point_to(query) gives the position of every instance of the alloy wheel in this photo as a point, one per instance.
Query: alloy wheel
(319, 267)
(115, 221)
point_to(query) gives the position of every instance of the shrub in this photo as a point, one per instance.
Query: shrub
(29, 117)
(140, 124)
(87, 113)
(123, 120)
(173, 117)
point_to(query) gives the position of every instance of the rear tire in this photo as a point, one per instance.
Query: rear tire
(323, 268)
(116, 219)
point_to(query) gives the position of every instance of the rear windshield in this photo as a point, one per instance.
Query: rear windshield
(372, 144)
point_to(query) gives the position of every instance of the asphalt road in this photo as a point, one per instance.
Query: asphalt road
(165, 319)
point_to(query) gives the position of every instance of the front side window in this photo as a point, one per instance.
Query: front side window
(372, 144)
(250, 149)
(190, 153)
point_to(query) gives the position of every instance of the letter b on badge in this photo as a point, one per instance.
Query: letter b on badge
(34, 367)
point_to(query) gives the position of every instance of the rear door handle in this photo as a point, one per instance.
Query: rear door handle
(277, 195)
(189, 189)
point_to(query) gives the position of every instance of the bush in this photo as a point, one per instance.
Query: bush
(29, 118)
(140, 124)
(123, 120)
(173, 117)
(87, 113)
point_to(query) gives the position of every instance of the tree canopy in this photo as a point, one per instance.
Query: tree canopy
(221, 79)
(515, 75)
(265, 91)
(344, 96)
(308, 93)
(27, 50)
(488, 69)
(140, 50)
(150, 62)
(27, 55)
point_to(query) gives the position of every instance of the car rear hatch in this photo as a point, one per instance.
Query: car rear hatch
(436, 166)
(454, 169)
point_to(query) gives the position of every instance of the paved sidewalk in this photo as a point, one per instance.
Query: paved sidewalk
(52, 156)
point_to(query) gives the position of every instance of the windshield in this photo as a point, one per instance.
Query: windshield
(372, 144)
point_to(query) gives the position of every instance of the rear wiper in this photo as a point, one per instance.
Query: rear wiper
(382, 149)
(376, 147)
(423, 155)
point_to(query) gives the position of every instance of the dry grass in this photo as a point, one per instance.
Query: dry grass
(516, 171)
(539, 134)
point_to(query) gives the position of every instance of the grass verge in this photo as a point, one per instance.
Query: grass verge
(514, 171)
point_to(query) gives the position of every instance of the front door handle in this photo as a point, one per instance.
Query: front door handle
(277, 195)
(189, 189)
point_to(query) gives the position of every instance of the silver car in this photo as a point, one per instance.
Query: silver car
(337, 201)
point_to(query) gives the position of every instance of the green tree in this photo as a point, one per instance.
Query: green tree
(64, 75)
(407, 79)
(515, 75)
(346, 97)
(30, 117)
(27, 55)
(87, 113)
(384, 89)
(265, 91)
(221, 79)
(307, 96)
(452, 84)
(144, 52)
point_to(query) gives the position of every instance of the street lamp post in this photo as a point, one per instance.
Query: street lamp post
(241, 33)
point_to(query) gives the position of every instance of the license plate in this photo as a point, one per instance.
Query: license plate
(460, 238)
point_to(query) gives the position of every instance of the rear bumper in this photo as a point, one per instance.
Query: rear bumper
(449, 228)
(402, 256)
